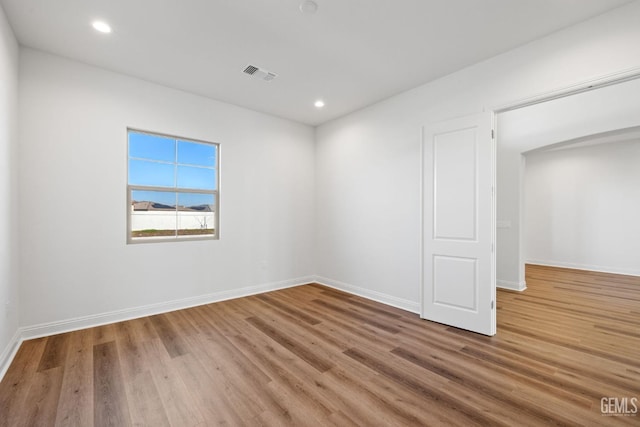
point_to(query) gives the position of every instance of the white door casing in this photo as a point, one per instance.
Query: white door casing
(458, 258)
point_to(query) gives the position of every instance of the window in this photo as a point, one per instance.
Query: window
(172, 188)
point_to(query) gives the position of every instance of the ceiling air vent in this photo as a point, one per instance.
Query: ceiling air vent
(259, 73)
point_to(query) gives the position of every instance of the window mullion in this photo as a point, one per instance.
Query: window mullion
(175, 167)
(177, 217)
(172, 189)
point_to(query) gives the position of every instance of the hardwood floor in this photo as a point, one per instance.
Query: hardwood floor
(311, 356)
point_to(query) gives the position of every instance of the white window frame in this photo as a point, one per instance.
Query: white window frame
(174, 189)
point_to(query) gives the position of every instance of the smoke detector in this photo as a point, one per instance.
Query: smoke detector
(259, 73)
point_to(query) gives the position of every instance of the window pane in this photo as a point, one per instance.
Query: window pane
(171, 169)
(144, 146)
(153, 214)
(193, 153)
(156, 174)
(196, 214)
(197, 178)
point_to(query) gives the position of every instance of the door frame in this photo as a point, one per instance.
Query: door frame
(494, 110)
(561, 92)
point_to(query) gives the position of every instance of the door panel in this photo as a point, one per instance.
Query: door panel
(455, 187)
(458, 257)
(455, 280)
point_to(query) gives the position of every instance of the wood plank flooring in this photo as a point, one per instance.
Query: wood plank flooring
(313, 356)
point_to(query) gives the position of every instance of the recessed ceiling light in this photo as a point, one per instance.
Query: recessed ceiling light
(319, 103)
(101, 26)
(309, 6)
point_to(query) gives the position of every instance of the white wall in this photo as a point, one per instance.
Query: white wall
(8, 190)
(368, 163)
(594, 112)
(72, 131)
(582, 207)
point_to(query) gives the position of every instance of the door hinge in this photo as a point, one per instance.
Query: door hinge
(492, 246)
(491, 304)
(493, 134)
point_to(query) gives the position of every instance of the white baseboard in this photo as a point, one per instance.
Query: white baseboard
(588, 267)
(9, 353)
(401, 303)
(74, 324)
(514, 286)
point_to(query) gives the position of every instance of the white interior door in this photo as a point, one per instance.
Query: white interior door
(459, 227)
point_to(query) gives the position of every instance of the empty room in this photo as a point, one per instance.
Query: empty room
(310, 212)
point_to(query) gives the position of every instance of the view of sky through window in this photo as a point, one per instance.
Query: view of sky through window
(159, 161)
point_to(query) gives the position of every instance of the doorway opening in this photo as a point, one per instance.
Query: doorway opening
(597, 116)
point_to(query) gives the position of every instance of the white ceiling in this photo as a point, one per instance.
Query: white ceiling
(606, 114)
(615, 136)
(351, 53)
